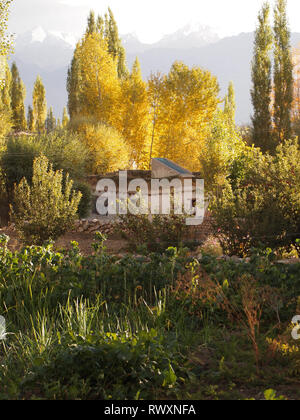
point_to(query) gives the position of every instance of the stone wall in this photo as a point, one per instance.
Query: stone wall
(193, 233)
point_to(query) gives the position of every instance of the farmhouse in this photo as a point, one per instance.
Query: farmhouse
(166, 175)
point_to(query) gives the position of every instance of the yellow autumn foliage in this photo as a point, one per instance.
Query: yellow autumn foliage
(108, 149)
(135, 118)
(187, 103)
(100, 90)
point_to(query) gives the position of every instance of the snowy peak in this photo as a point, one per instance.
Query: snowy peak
(38, 35)
(192, 35)
(69, 39)
(49, 50)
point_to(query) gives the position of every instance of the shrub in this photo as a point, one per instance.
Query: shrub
(212, 247)
(63, 149)
(17, 160)
(260, 203)
(85, 202)
(47, 209)
(156, 233)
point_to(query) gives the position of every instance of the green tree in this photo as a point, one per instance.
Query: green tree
(18, 93)
(30, 121)
(50, 123)
(74, 87)
(114, 44)
(39, 105)
(262, 82)
(283, 74)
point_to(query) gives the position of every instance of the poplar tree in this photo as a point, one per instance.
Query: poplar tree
(50, 124)
(18, 93)
(5, 102)
(58, 124)
(74, 87)
(283, 73)
(262, 82)
(65, 118)
(91, 25)
(230, 105)
(39, 105)
(30, 122)
(5, 95)
(100, 26)
(115, 48)
(135, 120)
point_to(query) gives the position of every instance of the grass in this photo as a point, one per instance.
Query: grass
(148, 327)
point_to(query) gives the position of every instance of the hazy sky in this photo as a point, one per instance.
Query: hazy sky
(149, 19)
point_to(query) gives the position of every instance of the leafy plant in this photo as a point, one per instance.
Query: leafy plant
(156, 233)
(46, 209)
(260, 202)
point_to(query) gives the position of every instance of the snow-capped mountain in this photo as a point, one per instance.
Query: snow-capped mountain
(49, 53)
(193, 35)
(49, 50)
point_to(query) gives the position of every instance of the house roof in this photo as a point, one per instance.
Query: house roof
(167, 165)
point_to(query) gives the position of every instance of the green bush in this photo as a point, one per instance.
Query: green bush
(157, 233)
(260, 203)
(86, 199)
(17, 160)
(47, 209)
(63, 149)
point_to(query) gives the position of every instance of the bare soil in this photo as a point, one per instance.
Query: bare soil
(114, 244)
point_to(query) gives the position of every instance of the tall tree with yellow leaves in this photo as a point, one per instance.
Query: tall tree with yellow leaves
(189, 101)
(155, 99)
(100, 85)
(135, 121)
(65, 118)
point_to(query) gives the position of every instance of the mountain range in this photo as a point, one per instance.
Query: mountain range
(49, 53)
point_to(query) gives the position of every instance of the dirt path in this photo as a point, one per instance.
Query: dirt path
(114, 244)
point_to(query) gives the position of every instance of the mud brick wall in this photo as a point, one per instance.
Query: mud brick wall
(202, 232)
